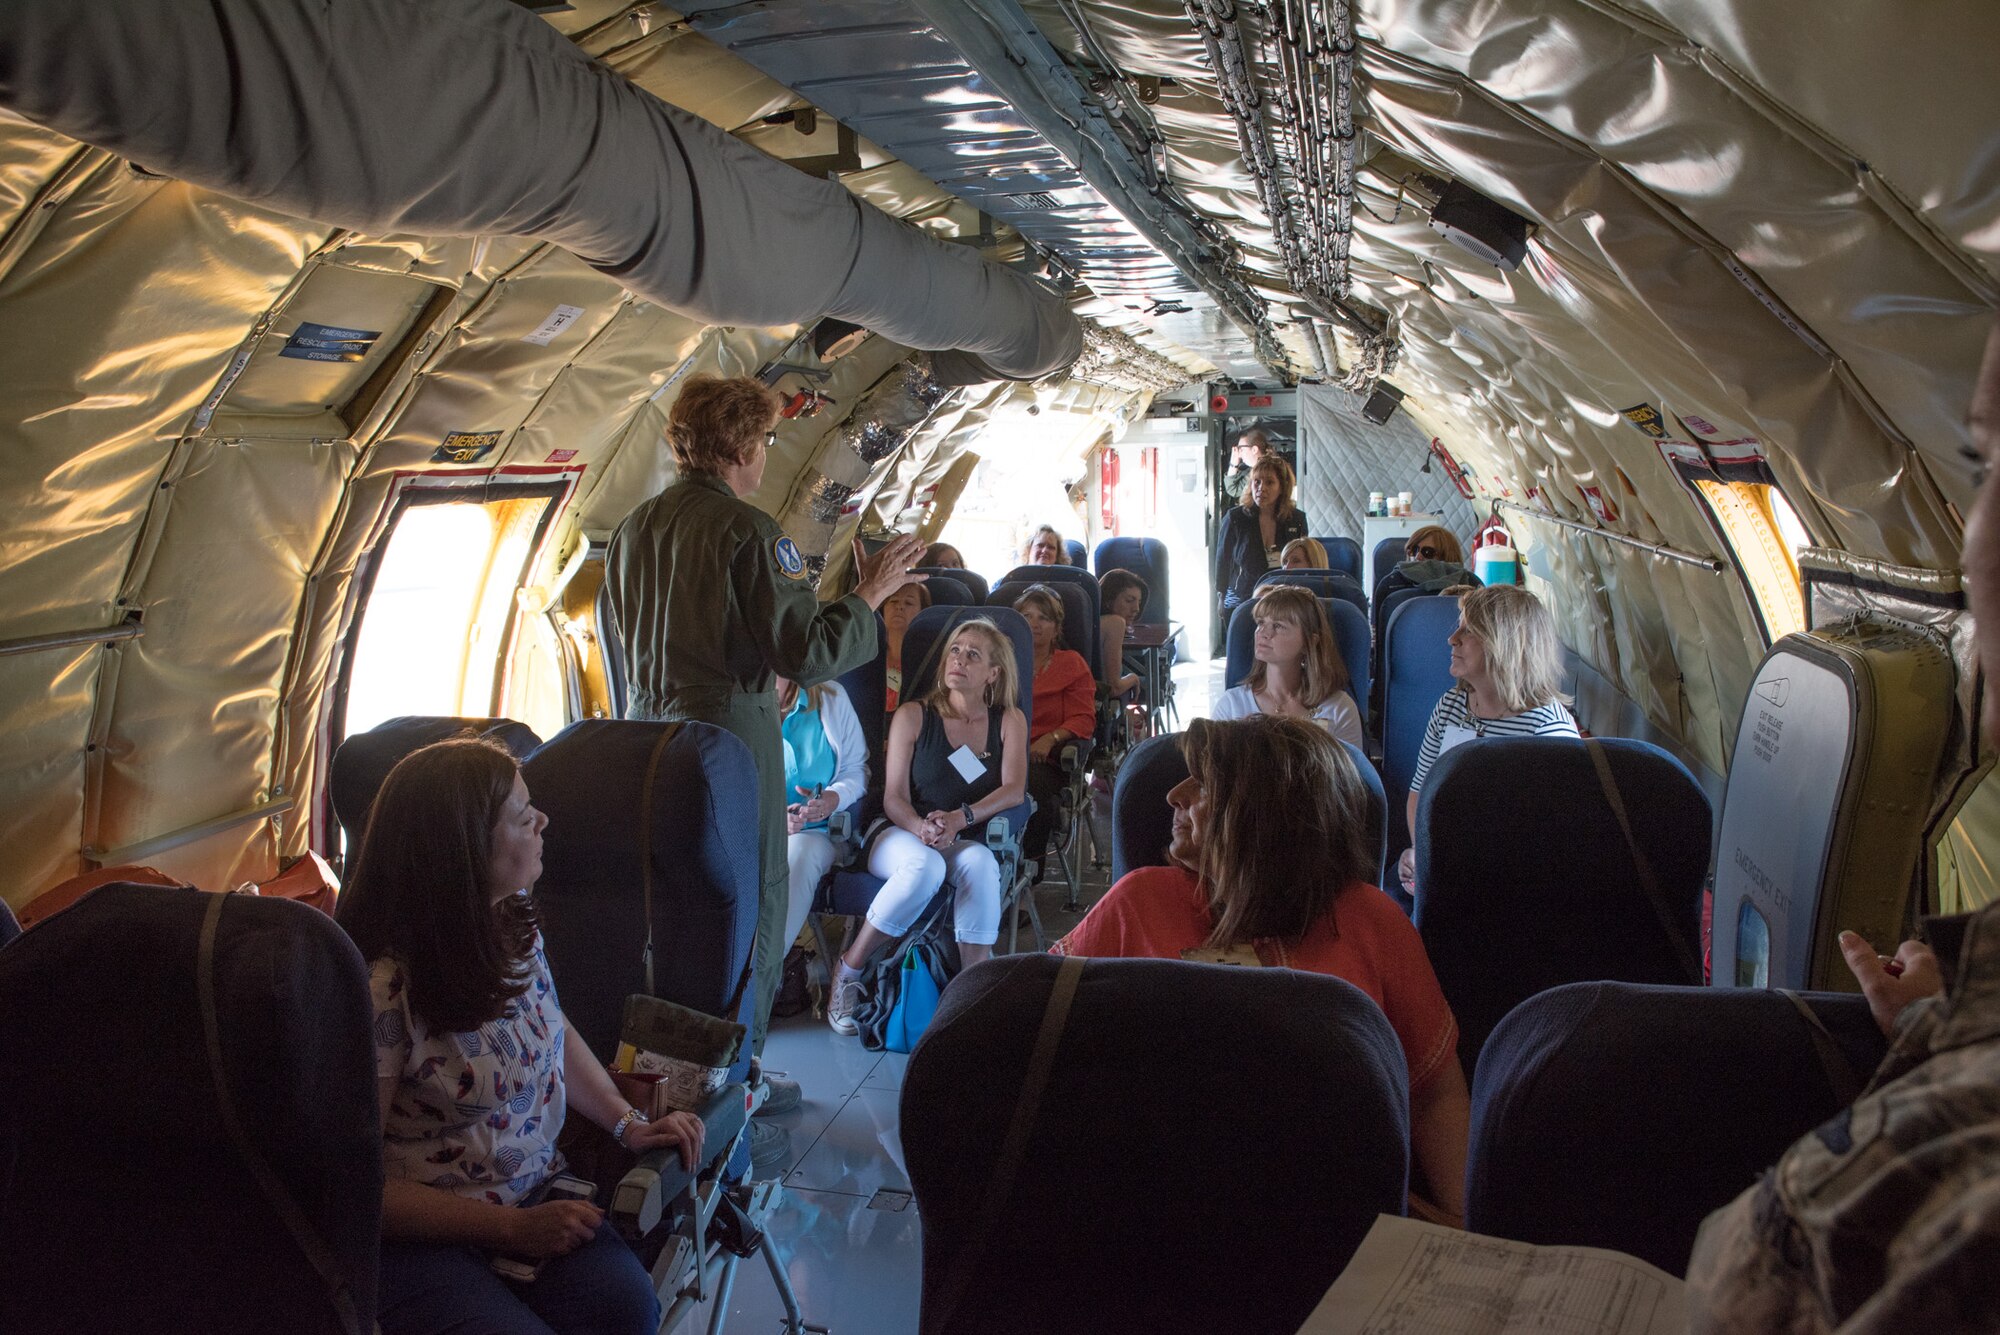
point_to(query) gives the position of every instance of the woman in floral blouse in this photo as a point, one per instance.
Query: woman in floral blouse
(477, 1067)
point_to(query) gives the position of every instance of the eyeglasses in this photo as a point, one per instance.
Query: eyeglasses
(1424, 553)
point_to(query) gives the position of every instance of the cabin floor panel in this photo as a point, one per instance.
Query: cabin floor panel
(860, 1151)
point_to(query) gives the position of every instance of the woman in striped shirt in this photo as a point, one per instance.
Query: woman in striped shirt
(1508, 663)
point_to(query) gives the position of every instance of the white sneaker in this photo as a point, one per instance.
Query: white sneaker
(846, 996)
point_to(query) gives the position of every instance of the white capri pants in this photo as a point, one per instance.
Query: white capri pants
(911, 873)
(810, 853)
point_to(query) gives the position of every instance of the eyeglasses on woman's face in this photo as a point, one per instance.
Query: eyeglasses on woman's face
(1424, 553)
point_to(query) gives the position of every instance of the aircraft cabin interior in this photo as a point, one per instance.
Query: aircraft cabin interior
(1418, 558)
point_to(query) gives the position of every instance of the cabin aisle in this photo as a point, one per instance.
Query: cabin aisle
(848, 1231)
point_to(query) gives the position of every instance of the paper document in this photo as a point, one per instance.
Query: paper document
(1413, 1278)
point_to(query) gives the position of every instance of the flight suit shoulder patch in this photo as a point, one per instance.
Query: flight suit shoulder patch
(786, 553)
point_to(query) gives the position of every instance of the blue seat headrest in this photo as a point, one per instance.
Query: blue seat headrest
(1094, 1233)
(1619, 1115)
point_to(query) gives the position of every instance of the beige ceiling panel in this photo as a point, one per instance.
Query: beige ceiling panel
(495, 363)
(45, 708)
(683, 68)
(1906, 89)
(639, 465)
(198, 696)
(585, 411)
(314, 369)
(1774, 379)
(114, 325)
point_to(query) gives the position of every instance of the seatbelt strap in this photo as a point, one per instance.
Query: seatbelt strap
(308, 1240)
(1014, 1148)
(1841, 1076)
(1689, 961)
(666, 737)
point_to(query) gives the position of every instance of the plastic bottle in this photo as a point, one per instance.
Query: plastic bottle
(1378, 505)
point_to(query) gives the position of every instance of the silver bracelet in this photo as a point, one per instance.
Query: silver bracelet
(624, 1124)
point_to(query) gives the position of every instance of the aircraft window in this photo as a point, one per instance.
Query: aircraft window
(1753, 948)
(439, 610)
(1765, 534)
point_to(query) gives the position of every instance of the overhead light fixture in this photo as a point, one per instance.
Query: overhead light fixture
(1383, 399)
(1481, 227)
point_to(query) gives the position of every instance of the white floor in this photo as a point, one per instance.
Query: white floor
(848, 1232)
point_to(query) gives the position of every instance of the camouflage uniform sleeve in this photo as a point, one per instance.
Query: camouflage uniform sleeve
(799, 636)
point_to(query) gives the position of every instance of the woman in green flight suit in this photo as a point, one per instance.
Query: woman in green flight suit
(711, 601)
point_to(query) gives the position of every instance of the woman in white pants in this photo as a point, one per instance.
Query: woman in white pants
(955, 759)
(826, 770)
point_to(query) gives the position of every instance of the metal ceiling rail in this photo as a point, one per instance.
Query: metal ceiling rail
(1707, 563)
(129, 629)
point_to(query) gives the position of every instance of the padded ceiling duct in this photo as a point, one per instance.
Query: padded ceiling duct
(468, 117)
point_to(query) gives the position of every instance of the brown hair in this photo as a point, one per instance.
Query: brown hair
(419, 891)
(1044, 600)
(1325, 670)
(934, 557)
(1115, 582)
(1433, 535)
(1288, 482)
(1271, 867)
(1005, 689)
(717, 423)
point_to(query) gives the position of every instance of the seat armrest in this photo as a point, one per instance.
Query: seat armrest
(646, 1192)
(1074, 755)
(1003, 831)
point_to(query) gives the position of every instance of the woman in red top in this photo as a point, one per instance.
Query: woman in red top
(1285, 884)
(1065, 697)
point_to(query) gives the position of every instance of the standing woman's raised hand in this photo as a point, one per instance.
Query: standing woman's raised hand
(879, 576)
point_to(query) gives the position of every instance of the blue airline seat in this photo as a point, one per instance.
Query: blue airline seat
(1079, 627)
(608, 829)
(126, 1203)
(1142, 822)
(1388, 554)
(1323, 583)
(1350, 638)
(363, 759)
(974, 583)
(606, 832)
(948, 590)
(1093, 1231)
(1079, 555)
(1146, 558)
(1081, 579)
(1343, 554)
(1525, 879)
(1416, 672)
(1619, 1115)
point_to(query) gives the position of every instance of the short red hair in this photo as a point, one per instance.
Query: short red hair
(717, 423)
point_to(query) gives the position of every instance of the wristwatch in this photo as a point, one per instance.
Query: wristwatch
(624, 1124)
(965, 810)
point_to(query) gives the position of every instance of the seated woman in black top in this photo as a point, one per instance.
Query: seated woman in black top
(955, 759)
(1254, 533)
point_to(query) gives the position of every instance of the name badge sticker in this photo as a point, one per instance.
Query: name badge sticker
(1454, 735)
(968, 764)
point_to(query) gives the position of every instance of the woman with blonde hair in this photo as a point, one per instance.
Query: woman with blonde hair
(1298, 672)
(1044, 547)
(955, 759)
(1508, 662)
(1289, 885)
(1254, 534)
(1304, 554)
